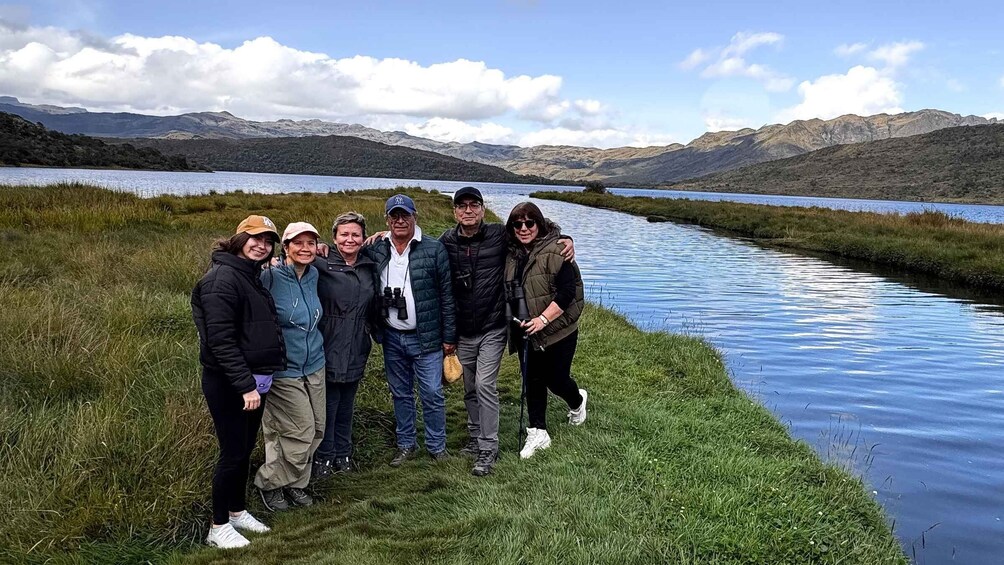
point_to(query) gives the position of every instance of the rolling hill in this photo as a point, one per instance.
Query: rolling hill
(328, 155)
(959, 164)
(23, 143)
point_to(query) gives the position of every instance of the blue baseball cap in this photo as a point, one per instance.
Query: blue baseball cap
(400, 201)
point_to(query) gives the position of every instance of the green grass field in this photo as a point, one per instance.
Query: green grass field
(926, 242)
(107, 447)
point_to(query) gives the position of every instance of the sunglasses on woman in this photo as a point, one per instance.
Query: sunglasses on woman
(518, 224)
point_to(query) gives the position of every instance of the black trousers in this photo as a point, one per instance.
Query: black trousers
(237, 432)
(340, 402)
(551, 369)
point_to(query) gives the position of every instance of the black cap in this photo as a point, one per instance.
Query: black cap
(468, 192)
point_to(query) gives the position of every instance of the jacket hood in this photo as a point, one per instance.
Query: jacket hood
(239, 263)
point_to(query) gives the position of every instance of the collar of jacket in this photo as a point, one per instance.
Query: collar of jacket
(478, 236)
(335, 259)
(289, 271)
(243, 265)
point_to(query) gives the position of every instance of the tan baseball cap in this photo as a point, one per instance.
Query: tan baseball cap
(296, 228)
(255, 225)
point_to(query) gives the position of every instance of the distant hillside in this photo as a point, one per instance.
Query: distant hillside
(23, 143)
(625, 166)
(329, 155)
(722, 151)
(960, 164)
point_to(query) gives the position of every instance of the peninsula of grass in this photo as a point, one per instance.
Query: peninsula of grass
(928, 242)
(106, 447)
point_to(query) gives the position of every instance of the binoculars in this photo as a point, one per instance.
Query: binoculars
(393, 299)
(515, 302)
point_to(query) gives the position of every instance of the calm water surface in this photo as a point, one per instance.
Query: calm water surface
(900, 379)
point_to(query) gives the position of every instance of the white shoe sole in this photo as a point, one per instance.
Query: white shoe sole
(571, 417)
(528, 454)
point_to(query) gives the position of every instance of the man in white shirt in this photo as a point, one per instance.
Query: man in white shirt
(419, 319)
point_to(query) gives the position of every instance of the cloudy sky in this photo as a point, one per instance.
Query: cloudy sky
(526, 72)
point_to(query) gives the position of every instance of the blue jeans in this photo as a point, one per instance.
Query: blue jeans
(340, 402)
(405, 363)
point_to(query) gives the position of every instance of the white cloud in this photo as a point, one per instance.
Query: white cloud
(862, 90)
(696, 57)
(848, 49)
(730, 61)
(895, 54)
(725, 123)
(448, 129)
(743, 42)
(260, 78)
(1002, 82)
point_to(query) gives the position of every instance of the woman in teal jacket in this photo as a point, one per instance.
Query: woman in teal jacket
(293, 423)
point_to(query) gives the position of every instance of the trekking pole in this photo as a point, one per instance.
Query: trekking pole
(522, 393)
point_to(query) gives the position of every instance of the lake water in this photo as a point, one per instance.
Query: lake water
(899, 378)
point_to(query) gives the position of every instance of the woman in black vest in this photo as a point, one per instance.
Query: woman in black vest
(552, 288)
(240, 347)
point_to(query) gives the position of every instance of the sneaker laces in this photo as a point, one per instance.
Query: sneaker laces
(485, 458)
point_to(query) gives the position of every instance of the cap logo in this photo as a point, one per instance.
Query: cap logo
(268, 222)
(398, 199)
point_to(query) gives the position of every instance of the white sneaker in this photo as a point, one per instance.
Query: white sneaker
(226, 537)
(577, 416)
(245, 521)
(535, 439)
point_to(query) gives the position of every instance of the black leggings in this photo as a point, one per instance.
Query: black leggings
(237, 432)
(551, 369)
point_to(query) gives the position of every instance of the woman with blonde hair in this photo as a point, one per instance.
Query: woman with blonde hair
(347, 289)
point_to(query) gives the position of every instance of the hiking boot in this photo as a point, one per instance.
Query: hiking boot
(471, 448)
(536, 439)
(440, 456)
(226, 537)
(344, 465)
(298, 496)
(245, 521)
(274, 500)
(485, 462)
(403, 454)
(321, 469)
(577, 416)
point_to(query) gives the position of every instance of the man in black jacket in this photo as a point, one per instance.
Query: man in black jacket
(477, 252)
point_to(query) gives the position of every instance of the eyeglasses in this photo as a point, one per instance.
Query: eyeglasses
(400, 216)
(473, 206)
(518, 224)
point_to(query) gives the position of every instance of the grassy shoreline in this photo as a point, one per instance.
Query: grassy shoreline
(107, 447)
(926, 242)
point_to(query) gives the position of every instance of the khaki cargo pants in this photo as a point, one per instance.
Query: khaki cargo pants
(293, 426)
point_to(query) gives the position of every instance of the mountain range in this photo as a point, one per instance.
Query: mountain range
(959, 164)
(623, 166)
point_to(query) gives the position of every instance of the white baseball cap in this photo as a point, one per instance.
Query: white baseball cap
(296, 228)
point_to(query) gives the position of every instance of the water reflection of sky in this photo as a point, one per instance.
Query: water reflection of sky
(898, 379)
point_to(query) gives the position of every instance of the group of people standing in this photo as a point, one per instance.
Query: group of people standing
(284, 343)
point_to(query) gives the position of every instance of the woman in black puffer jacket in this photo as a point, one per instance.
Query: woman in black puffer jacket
(240, 347)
